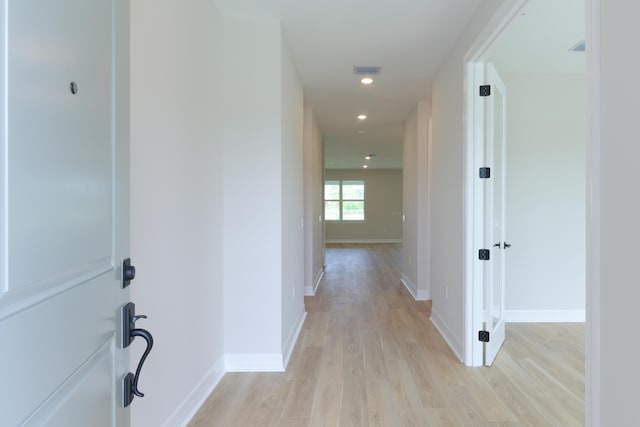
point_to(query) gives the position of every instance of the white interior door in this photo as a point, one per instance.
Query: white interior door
(63, 211)
(494, 215)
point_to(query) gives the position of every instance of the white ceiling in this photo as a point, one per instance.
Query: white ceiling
(538, 39)
(407, 38)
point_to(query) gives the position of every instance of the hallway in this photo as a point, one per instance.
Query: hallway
(369, 356)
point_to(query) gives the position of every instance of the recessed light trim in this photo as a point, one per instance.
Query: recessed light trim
(366, 81)
(362, 117)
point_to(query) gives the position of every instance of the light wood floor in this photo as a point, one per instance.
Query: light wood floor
(369, 356)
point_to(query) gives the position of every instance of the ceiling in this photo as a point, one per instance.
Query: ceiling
(407, 38)
(539, 37)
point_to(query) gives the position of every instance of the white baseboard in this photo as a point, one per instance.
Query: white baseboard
(254, 362)
(290, 343)
(417, 294)
(454, 343)
(544, 316)
(423, 295)
(308, 290)
(408, 284)
(192, 403)
(363, 241)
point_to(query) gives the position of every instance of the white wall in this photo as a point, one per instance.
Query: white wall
(176, 215)
(546, 183)
(253, 190)
(292, 203)
(263, 201)
(615, 232)
(447, 186)
(313, 205)
(382, 205)
(415, 187)
(216, 199)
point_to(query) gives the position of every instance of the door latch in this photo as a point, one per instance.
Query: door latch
(129, 332)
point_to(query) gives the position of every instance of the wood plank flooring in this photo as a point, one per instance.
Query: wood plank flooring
(369, 356)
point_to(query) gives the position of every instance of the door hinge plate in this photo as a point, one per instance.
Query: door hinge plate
(484, 254)
(485, 173)
(483, 336)
(485, 90)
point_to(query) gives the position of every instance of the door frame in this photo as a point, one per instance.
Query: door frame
(474, 76)
(473, 61)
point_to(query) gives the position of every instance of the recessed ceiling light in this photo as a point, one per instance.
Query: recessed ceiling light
(366, 80)
(360, 131)
(365, 166)
(367, 157)
(362, 117)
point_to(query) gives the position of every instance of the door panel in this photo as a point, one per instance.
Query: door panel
(65, 212)
(60, 144)
(495, 150)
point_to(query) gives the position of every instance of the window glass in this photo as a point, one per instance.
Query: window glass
(344, 200)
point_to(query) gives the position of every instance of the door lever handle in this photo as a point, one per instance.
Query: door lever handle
(496, 245)
(149, 339)
(129, 332)
(507, 245)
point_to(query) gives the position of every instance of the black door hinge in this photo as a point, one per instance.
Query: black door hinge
(483, 336)
(485, 173)
(485, 90)
(483, 255)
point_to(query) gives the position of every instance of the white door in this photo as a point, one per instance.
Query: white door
(494, 215)
(63, 211)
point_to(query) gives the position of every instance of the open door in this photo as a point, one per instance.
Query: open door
(64, 212)
(494, 215)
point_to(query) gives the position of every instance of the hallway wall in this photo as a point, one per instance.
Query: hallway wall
(313, 204)
(613, 347)
(176, 217)
(216, 157)
(415, 189)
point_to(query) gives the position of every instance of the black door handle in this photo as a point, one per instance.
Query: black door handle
(129, 332)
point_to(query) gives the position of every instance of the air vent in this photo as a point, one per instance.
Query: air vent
(578, 47)
(366, 70)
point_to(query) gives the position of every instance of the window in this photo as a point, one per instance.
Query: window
(344, 200)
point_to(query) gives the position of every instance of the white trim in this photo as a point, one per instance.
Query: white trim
(254, 362)
(544, 316)
(454, 343)
(593, 320)
(192, 403)
(423, 295)
(472, 224)
(409, 285)
(311, 291)
(417, 294)
(290, 343)
(365, 241)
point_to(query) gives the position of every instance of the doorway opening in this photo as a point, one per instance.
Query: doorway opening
(545, 187)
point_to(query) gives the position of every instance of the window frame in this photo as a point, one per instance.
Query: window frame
(341, 200)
